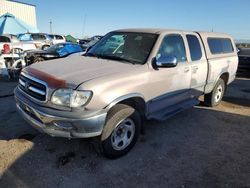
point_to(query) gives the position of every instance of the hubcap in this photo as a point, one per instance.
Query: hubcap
(218, 93)
(123, 134)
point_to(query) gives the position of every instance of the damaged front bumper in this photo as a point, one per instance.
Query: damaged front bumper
(60, 123)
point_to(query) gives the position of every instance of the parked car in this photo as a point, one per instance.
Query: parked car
(89, 44)
(57, 39)
(86, 43)
(83, 41)
(60, 50)
(41, 40)
(110, 92)
(244, 62)
(9, 42)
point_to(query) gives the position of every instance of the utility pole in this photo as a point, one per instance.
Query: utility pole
(84, 24)
(50, 26)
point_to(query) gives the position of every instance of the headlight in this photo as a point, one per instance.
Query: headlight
(70, 97)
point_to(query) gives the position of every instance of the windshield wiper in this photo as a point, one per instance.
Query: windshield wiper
(117, 58)
(110, 57)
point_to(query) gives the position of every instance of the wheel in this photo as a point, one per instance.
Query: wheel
(45, 47)
(121, 131)
(214, 98)
(38, 59)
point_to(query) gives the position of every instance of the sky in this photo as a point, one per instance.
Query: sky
(87, 18)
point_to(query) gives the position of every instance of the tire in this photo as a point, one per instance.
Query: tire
(45, 47)
(38, 59)
(214, 98)
(121, 131)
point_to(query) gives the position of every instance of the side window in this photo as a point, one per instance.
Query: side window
(51, 36)
(43, 37)
(220, 45)
(227, 46)
(36, 37)
(58, 37)
(173, 45)
(4, 39)
(194, 47)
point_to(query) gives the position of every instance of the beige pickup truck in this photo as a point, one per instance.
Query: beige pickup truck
(129, 76)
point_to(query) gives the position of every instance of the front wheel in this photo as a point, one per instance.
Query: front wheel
(214, 98)
(121, 131)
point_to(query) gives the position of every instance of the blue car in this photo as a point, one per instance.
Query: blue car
(56, 51)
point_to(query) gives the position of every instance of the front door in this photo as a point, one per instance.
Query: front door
(170, 85)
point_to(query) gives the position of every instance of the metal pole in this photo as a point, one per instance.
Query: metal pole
(84, 24)
(50, 26)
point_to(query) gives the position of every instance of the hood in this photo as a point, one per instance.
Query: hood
(39, 52)
(76, 69)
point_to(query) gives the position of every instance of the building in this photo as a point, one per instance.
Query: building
(23, 11)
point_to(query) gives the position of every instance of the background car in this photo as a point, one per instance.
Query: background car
(57, 39)
(41, 40)
(86, 43)
(244, 62)
(9, 42)
(56, 51)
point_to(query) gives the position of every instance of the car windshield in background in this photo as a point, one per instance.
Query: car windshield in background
(131, 47)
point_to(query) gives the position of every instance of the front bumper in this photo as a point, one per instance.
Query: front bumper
(60, 124)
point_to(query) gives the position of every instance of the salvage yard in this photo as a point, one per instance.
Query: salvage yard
(200, 147)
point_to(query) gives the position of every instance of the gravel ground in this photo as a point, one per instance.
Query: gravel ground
(200, 147)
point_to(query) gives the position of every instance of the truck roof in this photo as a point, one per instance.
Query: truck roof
(163, 30)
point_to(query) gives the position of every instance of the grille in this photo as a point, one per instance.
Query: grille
(33, 87)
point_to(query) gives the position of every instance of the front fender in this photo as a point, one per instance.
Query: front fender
(124, 97)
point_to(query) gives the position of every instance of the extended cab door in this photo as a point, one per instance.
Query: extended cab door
(198, 64)
(170, 85)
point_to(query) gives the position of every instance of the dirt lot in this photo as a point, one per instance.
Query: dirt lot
(200, 147)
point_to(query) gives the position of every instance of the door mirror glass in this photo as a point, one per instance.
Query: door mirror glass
(167, 61)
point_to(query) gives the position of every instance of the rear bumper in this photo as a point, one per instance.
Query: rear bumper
(53, 124)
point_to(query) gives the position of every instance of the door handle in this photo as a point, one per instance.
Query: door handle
(186, 69)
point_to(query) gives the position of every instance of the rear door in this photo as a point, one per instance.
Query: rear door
(198, 64)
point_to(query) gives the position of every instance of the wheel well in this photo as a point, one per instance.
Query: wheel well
(137, 103)
(225, 77)
(45, 45)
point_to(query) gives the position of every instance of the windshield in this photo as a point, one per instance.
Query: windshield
(130, 46)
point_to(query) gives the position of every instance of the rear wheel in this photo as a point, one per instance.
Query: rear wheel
(121, 131)
(214, 98)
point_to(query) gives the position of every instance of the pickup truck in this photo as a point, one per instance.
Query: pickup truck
(128, 77)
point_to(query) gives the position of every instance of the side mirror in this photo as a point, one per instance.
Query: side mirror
(167, 61)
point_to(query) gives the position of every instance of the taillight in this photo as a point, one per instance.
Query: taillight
(6, 49)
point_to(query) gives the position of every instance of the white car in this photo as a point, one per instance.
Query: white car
(57, 39)
(9, 42)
